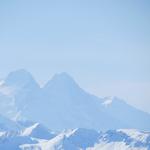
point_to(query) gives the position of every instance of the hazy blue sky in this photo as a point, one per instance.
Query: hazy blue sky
(103, 44)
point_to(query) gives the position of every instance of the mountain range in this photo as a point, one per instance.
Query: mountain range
(62, 116)
(38, 137)
(62, 104)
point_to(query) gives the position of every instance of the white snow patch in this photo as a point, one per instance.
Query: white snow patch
(29, 130)
(114, 146)
(45, 145)
(107, 102)
(2, 133)
(69, 132)
(135, 134)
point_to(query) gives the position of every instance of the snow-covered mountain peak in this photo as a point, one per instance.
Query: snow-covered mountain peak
(136, 134)
(87, 140)
(69, 132)
(29, 130)
(37, 131)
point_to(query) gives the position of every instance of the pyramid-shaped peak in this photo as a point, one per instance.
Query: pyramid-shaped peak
(19, 77)
(62, 81)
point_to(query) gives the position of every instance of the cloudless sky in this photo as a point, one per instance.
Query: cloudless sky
(103, 44)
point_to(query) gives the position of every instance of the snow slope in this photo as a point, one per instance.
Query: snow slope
(12, 140)
(38, 137)
(37, 131)
(110, 140)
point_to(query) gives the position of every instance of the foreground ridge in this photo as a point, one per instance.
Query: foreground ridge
(39, 137)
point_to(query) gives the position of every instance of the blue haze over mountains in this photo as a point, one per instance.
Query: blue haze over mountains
(62, 104)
